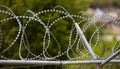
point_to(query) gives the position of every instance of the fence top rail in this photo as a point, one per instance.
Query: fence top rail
(39, 62)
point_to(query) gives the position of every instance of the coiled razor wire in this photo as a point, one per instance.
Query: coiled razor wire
(75, 45)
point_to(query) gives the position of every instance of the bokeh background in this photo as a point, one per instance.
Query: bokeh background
(88, 7)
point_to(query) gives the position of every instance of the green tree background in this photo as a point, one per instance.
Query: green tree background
(20, 6)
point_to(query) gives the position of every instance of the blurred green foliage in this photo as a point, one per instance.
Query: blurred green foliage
(105, 4)
(35, 32)
(19, 7)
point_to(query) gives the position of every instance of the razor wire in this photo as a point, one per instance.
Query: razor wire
(75, 45)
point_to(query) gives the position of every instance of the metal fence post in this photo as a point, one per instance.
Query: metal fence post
(86, 44)
(110, 58)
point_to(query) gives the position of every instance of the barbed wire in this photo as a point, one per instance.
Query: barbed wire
(74, 46)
